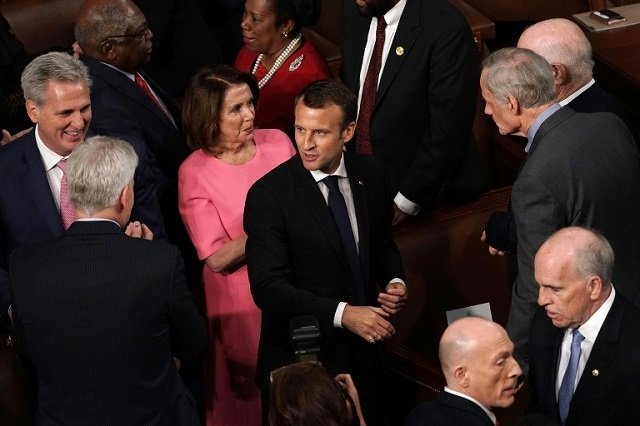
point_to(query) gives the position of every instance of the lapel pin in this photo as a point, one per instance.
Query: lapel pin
(595, 373)
(399, 50)
(361, 183)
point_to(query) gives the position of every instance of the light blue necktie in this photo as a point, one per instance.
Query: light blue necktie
(567, 386)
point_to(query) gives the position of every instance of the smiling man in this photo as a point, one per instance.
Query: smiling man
(34, 204)
(319, 244)
(584, 349)
(476, 356)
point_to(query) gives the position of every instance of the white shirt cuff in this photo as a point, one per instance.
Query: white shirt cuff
(337, 318)
(407, 206)
(397, 280)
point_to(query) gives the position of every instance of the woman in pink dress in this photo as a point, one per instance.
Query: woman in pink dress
(280, 58)
(230, 155)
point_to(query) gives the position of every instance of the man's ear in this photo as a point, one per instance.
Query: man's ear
(595, 287)
(125, 194)
(514, 105)
(349, 131)
(33, 111)
(560, 74)
(461, 375)
(107, 50)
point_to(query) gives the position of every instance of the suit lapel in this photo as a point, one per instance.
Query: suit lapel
(549, 124)
(602, 357)
(356, 49)
(404, 39)
(310, 194)
(37, 186)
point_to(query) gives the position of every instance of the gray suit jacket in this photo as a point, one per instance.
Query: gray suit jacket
(582, 169)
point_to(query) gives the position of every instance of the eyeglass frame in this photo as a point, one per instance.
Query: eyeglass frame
(143, 34)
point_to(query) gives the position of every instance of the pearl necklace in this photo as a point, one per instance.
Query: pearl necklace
(278, 63)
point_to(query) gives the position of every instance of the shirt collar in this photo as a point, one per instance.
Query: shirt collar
(341, 171)
(393, 15)
(130, 76)
(49, 158)
(462, 395)
(533, 129)
(592, 326)
(577, 93)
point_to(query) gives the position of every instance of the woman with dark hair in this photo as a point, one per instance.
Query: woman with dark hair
(279, 57)
(305, 394)
(230, 155)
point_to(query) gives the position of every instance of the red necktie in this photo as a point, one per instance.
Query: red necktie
(146, 89)
(369, 89)
(67, 211)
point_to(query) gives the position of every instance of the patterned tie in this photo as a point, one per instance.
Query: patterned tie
(338, 208)
(67, 211)
(141, 83)
(369, 89)
(568, 380)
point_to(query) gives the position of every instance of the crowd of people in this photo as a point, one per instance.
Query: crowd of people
(154, 257)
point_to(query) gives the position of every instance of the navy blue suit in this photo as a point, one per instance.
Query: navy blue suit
(447, 409)
(28, 212)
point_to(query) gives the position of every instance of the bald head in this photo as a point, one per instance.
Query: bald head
(562, 43)
(573, 269)
(477, 360)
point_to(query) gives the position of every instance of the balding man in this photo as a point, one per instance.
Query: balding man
(581, 169)
(585, 352)
(563, 44)
(481, 373)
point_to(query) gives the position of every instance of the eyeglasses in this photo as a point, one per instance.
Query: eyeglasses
(141, 35)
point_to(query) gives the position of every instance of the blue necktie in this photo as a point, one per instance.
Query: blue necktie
(338, 208)
(568, 381)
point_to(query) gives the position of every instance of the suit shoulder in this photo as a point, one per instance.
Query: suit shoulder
(279, 177)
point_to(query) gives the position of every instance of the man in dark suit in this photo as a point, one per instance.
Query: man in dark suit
(580, 169)
(585, 353)
(306, 258)
(56, 88)
(103, 313)
(420, 125)
(126, 103)
(476, 356)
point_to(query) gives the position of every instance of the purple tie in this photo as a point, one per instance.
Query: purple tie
(369, 89)
(67, 211)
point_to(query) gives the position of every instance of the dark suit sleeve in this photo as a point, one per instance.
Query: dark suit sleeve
(452, 94)
(269, 260)
(501, 232)
(187, 326)
(538, 214)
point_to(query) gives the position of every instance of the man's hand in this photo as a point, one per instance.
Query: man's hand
(367, 322)
(138, 230)
(393, 298)
(8, 137)
(398, 216)
(492, 251)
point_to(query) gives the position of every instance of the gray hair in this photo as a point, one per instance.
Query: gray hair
(98, 23)
(54, 66)
(97, 171)
(520, 73)
(595, 258)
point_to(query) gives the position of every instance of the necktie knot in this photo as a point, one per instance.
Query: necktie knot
(331, 182)
(382, 24)
(62, 165)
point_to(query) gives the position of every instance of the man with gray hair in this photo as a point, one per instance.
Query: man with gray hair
(122, 302)
(581, 169)
(34, 198)
(584, 349)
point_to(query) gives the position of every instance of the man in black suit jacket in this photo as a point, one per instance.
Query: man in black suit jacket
(574, 269)
(580, 169)
(103, 313)
(298, 263)
(56, 88)
(476, 356)
(425, 101)
(116, 41)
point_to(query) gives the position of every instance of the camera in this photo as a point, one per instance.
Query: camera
(305, 337)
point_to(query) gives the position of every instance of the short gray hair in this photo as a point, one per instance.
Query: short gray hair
(520, 73)
(53, 66)
(97, 171)
(596, 257)
(99, 22)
